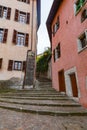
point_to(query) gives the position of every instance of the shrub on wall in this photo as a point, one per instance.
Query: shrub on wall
(42, 61)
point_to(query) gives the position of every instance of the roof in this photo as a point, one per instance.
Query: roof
(51, 16)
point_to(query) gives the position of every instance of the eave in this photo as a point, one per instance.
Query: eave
(51, 16)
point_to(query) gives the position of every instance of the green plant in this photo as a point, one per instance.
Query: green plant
(42, 61)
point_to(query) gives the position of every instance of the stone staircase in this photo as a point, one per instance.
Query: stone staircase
(42, 99)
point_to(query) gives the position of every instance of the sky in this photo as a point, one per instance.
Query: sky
(43, 38)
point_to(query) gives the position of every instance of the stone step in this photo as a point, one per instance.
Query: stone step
(35, 98)
(39, 101)
(46, 110)
(33, 95)
(52, 104)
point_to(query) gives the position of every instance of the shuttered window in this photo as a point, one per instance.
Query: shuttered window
(25, 1)
(5, 12)
(22, 17)
(17, 65)
(20, 39)
(57, 52)
(0, 63)
(10, 65)
(56, 26)
(3, 35)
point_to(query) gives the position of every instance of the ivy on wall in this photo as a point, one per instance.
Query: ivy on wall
(42, 61)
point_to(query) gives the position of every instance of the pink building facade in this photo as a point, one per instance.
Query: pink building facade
(67, 29)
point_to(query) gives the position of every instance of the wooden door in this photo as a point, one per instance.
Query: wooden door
(74, 85)
(61, 81)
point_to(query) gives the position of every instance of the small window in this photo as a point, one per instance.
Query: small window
(82, 41)
(57, 52)
(3, 35)
(22, 17)
(5, 12)
(20, 39)
(56, 26)
(84, 15)
(17, 65)
(25, 1)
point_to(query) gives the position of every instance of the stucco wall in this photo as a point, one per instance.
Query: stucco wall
(9, 51)
(70, 29)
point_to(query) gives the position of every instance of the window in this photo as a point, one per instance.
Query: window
(20, 39)
(5, 12)
(78, 5)
(3, 35)
(16, 65)
(82, 41)
(25, 1)
(57, 52)
(56, 26)
(22, 17)
(84, 15)
(0, 63)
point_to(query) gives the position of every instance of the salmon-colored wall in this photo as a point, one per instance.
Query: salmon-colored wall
(67, 35)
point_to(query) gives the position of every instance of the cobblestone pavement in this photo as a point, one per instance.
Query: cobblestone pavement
(10, 120)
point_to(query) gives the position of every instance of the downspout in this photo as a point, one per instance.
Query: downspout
(32, 25)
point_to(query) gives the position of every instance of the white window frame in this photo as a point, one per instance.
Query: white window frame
(20, 39)
(80, 48)
(1, 35)
(17, 65)
(22, 18)
(5, 11)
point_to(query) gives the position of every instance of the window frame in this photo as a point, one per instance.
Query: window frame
(17, 65)
(84, 15)
(82, 47)
(56, 25)
(57, 52)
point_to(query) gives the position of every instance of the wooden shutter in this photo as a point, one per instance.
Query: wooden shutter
(54, 55)
(14, 36)
(0, 63)
(9, 13)
(10, 65)
(28, 18)
(24, 66)
(26, 39)
(28, 1)
(16, 15)
(5, 36)
(0, 11)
